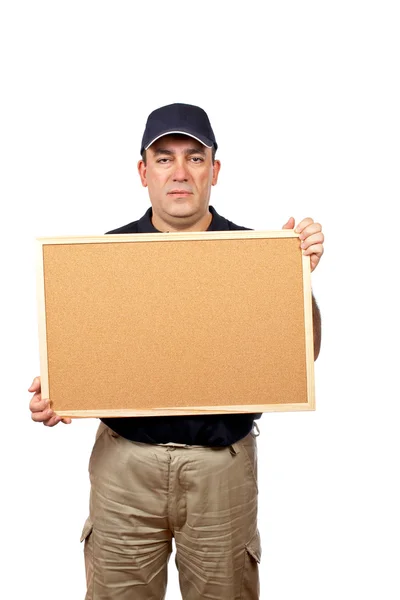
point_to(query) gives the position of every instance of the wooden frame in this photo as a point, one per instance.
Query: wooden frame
(94, 292)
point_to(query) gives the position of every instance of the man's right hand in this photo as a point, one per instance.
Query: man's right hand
(40, 408)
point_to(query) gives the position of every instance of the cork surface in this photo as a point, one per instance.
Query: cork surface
(174, 324)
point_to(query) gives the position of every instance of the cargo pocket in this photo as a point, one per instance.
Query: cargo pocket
(87, 529)
(251, 580)
(87, 537)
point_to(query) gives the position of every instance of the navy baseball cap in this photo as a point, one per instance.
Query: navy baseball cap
(186, 119)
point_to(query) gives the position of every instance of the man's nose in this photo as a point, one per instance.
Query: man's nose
(180, 172)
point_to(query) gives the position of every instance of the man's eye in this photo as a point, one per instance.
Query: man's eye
(197, 159)
(163, 161)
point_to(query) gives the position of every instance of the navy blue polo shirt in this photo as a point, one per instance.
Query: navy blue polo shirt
(204, 430)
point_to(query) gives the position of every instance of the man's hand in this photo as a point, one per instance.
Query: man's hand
(40, 408)
(312, 238)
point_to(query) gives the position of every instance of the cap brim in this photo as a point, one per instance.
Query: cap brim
(205, 141)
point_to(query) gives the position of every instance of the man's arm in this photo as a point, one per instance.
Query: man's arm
(316, 315)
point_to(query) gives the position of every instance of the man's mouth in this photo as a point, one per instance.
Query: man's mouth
(179, 193)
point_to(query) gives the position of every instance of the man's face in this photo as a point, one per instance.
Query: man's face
(179, 174)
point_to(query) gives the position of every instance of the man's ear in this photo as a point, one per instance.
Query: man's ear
(142, 172)
(216, 169)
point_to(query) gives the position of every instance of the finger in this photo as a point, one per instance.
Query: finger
(314, 260)
(52, 421)
(289, 224)
(303, 224)
(316, 249)
(316, 238)
(35, 386)
(38, 404)
(66, 420)
(310, 230)
(41, 417)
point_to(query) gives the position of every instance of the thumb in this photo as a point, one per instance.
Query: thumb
(289, 224)
(35, 387)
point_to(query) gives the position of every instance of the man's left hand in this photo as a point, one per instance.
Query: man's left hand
(311, 237)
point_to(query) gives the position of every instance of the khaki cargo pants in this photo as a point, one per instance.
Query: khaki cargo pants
(143, 495)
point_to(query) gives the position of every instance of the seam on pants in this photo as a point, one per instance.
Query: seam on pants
(93, 563)
(170, 519)
(90, 565)
(243, 570)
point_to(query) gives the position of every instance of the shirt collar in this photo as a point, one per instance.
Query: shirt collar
(218, 223)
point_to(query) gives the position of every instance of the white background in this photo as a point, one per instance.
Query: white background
(304, 100)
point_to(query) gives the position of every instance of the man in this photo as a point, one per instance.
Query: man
(192, 478)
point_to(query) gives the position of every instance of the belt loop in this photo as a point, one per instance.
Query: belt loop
(234, 449)
(255, 426)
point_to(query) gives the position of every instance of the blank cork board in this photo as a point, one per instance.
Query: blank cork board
(178, 323)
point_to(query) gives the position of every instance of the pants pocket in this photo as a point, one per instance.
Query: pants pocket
(87, 529)
(100, 432)
(249, 448)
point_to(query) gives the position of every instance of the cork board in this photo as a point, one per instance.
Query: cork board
(178, 323)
